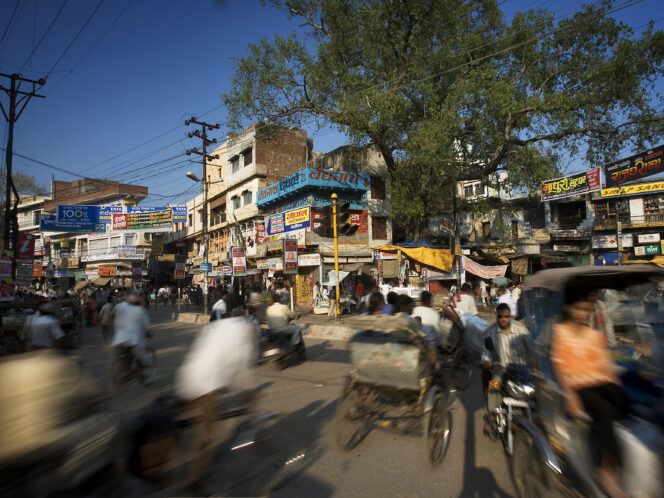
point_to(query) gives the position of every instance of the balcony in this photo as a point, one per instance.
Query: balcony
(640, 221)
(246, 172)
(217, 219)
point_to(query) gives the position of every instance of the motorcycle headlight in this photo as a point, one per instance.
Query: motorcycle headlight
(519, 391)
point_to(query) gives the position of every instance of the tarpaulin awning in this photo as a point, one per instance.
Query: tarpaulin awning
(438, 258)
(101, 281)
(483, 271)
(390, 268)
(80, 284)
(657, 260)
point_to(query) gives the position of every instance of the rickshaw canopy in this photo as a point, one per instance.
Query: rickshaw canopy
(608, 277)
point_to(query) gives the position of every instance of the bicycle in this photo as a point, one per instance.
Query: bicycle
(123, 367)
(458, 365)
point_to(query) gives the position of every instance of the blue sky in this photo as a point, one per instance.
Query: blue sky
(140, 67)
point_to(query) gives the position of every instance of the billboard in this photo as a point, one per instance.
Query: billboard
(144, 221)
(50, 223)
(643, 188)
(239, 261)
(567, 186)
(636, 167)
(290, 256)
(289, 221)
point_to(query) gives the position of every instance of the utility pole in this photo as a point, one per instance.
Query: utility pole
(202, 134)
(336, 249)
(12, 113)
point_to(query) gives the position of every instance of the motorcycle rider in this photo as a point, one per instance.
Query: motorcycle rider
(279, 318)
(511, 344)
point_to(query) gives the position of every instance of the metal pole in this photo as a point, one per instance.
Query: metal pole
(336, 247)
(205, 222)
(8, 157)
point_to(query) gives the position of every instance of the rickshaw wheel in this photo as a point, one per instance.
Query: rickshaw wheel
(462, 371)
(351, 423)
(437, 430)
(526, 468)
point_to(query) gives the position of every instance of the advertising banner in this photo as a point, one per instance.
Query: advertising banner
(275, 264)
(50, 223)
(649, 238)
(155, 221)
(126, 252)
(636, 167)
(6, 292)
(137, 271)
(106, 213)
(178, 213)
(25, 250)
(106, 271)
(84, 213)
(308, 259)
(157, 246)
(37, 270)
(647, 250)
(289, 221)
(24, 274)
(567, 186)
(611, 242)
(262, 264)
(290, 256)
(310, 177)
(239, 261)
(482, 271)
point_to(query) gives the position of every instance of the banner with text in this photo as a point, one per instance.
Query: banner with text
(239, 261)
(482, 271)
(155, 221)
(633, 168)
(290, 256)
(567, 186)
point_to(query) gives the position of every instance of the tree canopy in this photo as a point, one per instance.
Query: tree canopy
(450, 90)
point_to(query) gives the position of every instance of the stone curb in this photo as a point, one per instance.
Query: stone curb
(329, 332)
(193, 318)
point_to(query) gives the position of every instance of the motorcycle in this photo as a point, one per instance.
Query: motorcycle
(277, 347)
(513, 385)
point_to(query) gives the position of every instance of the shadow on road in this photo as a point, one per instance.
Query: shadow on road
(477, 481)
(328, 352)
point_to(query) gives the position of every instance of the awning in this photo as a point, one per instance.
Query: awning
(101, 281)
(80, 284)
(657, 260)
(438, 258)
(351, 267)
(482, 271)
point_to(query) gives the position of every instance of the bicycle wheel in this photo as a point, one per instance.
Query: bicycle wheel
(351, 424)
(437, 430)
(462, 370)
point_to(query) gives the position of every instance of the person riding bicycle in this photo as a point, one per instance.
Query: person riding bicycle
(130, 325)
(279, 318)
(43, 330)
(511, 347)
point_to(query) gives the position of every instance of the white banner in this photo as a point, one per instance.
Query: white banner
(308, 259)
(487, 272)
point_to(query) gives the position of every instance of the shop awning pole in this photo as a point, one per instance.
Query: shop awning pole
(336, 247)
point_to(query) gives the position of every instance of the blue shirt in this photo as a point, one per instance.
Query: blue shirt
(388, 309)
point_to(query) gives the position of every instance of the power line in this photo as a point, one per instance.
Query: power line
(76, 37)
(57, 14)
(11, 19)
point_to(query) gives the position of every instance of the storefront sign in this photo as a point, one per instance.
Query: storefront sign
(6, 292)
(482, 271)
(567, 186)
(23, 274)
(288, 221)
(111, 255)
(262, 264)
(91, 273)
(308, 259)
(156, 221)
(37, 270)
(179, 275)
(49, 223)
(635, 167)
(276, 264)
(106, 271)
(611, 242)
(381, 255)
(157, 246)
(106, 213)
(308, 178)
(290, 256)
(644, 188)
(648, 238)
(239, 261)
(25, 250)
(647, 250)
(137, 271)
(126, 251)
(227, 270)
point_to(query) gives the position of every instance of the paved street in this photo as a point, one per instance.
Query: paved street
(384, 464)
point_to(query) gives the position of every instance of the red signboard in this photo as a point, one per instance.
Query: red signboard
(25, 251)
(239, 261)
(290, 255)
(37, 270)
(6, 292)
(261, 234)
(641, 165)
(106, 271)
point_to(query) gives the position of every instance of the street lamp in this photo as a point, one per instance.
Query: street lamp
(192, 176)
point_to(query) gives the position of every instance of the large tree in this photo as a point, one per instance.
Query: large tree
(449, 90)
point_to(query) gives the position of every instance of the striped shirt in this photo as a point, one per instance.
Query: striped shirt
(512, 348)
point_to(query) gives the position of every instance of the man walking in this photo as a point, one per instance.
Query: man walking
(332, 296)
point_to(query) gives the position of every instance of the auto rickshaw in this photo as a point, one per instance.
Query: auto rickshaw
(394, 384)
(553, 452)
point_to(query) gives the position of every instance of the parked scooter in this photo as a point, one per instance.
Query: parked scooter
(514, 386)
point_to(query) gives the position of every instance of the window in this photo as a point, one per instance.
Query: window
(479, 189)
(200, 216)
(235, 164)
(116, 241)
(98, 246)
(377, 188)
(246, 197)
(130, 239)
(379, 228)
(236, 202)
(147, 235)
(246, 156)
(219, 214)
(191, 219)
(36, 217)
(515, 229)
(486, 229)
(468, 191)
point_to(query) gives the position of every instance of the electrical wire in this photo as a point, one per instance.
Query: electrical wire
(62, 6)
(76, 37)
(11, 19)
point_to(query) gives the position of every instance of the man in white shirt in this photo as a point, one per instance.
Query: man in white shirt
(221, 357)
(131, 325)
(505, 297)
(464, 301)
(430, 318)
(279, 317)
(43, 329)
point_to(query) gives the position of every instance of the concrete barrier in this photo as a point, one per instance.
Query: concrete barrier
(193, 318)
(338, 332)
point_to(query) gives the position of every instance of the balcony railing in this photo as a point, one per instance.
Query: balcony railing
(627, 220)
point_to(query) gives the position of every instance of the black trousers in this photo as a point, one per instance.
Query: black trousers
(605, 404)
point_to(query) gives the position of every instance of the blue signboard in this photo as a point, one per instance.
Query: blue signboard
(289, 221)
(179, 212)
(50, 223)
(76, 213)
(314, 178)
(206, 267)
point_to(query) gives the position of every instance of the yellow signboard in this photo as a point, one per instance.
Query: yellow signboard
(157, 246)
(644, 188)
(297, 216)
